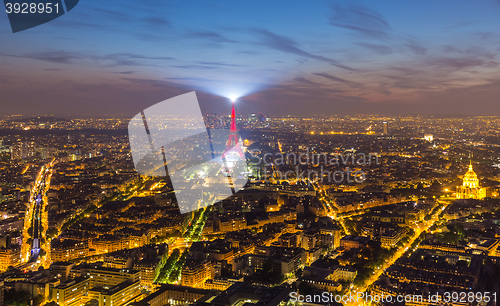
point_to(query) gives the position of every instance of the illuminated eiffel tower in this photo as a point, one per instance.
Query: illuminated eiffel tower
(233, 144)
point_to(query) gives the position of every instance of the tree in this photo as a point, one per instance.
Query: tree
(298, 273)
(30, 231)
(435, 186)
(305, 288)
(52, 232)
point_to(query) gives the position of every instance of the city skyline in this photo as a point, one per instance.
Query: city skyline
(74, 204)
(261, 153)
(325, 57)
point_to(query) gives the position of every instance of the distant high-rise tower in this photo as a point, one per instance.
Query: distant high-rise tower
(232, 142)
(386, 128)
(22, 150)
(252, 117)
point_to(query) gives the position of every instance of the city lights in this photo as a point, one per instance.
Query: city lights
(85, 193)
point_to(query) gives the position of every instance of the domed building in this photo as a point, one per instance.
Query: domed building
(470, 189)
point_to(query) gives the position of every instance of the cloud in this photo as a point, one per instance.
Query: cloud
(305, 81)
(458, 68)
(156, 21)
(153, 83)
(65, 57)
(51, 56)
(380, 49)
(193, 67)
(139, 56)
(360, 20)
(112, 14)
(248, 52)
(338, 80)
(459, 63)
(74, 24)
(449, 49)
(473, 51)
(211, 36)
(221, 64)
(131, 59)
(381, 89)
(124, 72)
(287, 45)
(195, 79)
(80, 20)
(415, 47)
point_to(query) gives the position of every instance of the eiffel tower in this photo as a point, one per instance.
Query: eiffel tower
(233, 144)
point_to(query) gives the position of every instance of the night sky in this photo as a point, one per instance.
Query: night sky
(115, 58)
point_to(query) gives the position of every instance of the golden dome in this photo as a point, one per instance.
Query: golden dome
(470, 178)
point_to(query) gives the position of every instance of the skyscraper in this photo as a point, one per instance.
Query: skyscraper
(386, 128)
(22, 149)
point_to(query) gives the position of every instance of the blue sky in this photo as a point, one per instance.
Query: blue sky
(282, 57)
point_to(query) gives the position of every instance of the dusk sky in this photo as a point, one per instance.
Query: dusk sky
(115, 58)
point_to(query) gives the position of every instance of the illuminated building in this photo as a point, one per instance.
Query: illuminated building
(195, 275)
(68, 249)
(109, 244)
(4, 149)
(488, 246)
(313, 255)
(288, 240)
(118, 261)
(119, 295)
(61, 270)
(391, 237)
(9, 257)
(310, 240)
(109, 277)
(386, 128)
(347, 274)
(470, 188)
(321, 278)
(220, 250)
(221, 284)
(285, 260)
(71, 292)
(20, 150)
(173, 295)
(232, 224)
(429, 137)
(388, 218)
(150, 268)
(330, 238)
(252, 118)
(104, 286)
(353, 242)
